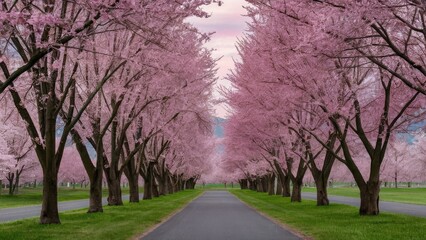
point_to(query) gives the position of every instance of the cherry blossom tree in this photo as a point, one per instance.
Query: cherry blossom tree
(45, 48)
(331, 87)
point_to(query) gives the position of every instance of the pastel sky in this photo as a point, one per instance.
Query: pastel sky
(228, 23)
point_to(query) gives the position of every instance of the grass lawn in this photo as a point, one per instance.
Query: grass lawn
(403, 195)
(33, 196)
(335, 221)
(119, 222)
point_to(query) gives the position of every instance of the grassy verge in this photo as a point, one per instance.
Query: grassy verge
(335, 221)
(122, 222)
(403, 195)
(33, 196)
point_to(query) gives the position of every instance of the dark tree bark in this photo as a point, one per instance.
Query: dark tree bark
(322, 197)
(259, 185)
(297, 180)
(271, 184)
(396, 179)
(253, 184)
(321, 176)
(279, 190)
(155, 191)
(286, 186)
(174, 183)
(49, 208)
(93, 171)
(264, 181)
(132, 174)
(296, 194)
(163, 183)
(284, 179)
(10, 178)
(95, 203)
(243, 183)
(114, 191)
(148, 178)
(370, 199)
(147, 189)
(182, 185)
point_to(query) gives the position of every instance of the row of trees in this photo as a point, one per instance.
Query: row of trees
(122, 85)
(328, 88)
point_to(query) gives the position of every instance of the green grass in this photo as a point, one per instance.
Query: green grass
(403, 195)
(33, 196)
(335, 221)
(120, 222)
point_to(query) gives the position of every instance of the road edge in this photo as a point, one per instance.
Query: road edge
(165, 219)
(276, 221)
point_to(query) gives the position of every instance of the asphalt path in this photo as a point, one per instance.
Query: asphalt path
(403, 208)
(18, 213)
(218, 215)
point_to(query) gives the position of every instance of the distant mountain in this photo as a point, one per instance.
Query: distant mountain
(218, 127)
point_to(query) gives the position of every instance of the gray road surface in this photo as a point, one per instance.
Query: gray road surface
(218, 215)
(409, 209)
(12, 214)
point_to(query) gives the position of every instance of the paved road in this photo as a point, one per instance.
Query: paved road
(12, 214)
(409, 209)
(218, 215)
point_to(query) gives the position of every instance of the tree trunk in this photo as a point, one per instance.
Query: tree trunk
(182, 185)
(243, 184)
(133, 178)
(284, 178)
(95, 178)
(94, 171)
(396, 179)
(271, 184)
(155, 191)
(187, 184)
(148, 182)
(114, 187)
(163, 184)
(175, 184)
(253, 185)
(370, 198)
(322, 197)
(114, 192)
(259, 186)
(16, 185)
(147, 189)
(10, 178)
(190, 183)
(286, 186)
(279, 190)
(264, 181)
(49, 209)
(95, 202)
(134, 190)
(296, 195)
